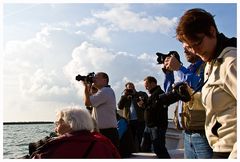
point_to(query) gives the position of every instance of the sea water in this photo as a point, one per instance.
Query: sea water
(16, 138)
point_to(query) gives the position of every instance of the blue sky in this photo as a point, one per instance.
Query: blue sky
(47, 45)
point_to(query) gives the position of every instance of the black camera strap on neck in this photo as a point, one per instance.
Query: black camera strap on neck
(199, 87)
(218, 61)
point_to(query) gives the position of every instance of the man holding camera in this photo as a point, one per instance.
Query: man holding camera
(132, 112)
(195, 142)
(156, 118)
(105, 103)
(156, 114)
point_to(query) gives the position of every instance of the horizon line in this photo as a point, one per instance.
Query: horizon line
(28, 122)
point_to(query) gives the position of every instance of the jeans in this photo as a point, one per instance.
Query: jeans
(196, 146)
(155, 137)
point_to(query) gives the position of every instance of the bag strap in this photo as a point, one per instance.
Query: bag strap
(85, 155)
(199, 87)
(208, 74)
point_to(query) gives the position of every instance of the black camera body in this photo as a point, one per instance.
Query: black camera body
(179, 92)
(88, 78)
(128, 91)
(161, 56)
(141, 98)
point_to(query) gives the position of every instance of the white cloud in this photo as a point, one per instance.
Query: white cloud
(65, 24)
(37, 71)
(120, 66)
(36, 47)
(101, 34)
(125, 19)
(28, 64)
(86, 22)
(42, 84)
(87, 58)
(79, 32)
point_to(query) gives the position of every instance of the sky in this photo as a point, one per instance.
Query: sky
(45, 45)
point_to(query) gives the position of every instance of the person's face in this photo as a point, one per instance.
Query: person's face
(190, 54)
(148, 86)
(61, 127)
(130, 86)
(204, 46)
(99, 81)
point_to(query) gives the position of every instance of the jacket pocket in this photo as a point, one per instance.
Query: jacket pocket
(215, 128)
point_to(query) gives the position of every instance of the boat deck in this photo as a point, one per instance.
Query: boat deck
(174, 154)
(174, 145)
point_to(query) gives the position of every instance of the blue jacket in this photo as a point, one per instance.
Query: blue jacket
(191, 75)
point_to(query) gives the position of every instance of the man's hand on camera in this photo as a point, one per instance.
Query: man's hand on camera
(140, 103)
(171, 63)
(87, 87)
(165, 68)
(181, 89)
(129, 93)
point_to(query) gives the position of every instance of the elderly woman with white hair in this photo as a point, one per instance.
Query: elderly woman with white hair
(75, 138)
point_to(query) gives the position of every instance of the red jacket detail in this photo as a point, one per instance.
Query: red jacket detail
(75, 145)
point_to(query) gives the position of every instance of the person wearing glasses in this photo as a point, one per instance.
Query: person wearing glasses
(195, 142)
(197, 29)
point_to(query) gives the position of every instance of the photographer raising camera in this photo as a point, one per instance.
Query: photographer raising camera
(105, 103)
(189, 116)
(129, 103)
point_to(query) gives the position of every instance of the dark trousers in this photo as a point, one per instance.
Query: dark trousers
(155, 137)
(112, 134)
(220, 155)
(137, 129)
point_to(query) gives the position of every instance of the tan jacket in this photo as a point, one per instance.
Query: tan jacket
(219, 97)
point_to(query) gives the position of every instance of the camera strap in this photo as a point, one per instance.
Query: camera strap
(199, 87)
(219, 60)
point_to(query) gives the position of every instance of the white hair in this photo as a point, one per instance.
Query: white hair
(77, 118)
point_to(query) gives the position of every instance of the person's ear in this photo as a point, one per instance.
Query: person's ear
(213, 32)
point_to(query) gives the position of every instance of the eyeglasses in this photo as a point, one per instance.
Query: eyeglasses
(196, 44)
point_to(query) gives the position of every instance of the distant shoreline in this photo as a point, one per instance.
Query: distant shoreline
(32, 122)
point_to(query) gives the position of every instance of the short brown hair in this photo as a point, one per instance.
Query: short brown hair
(128, 84)
(151, 79)
(193, 22)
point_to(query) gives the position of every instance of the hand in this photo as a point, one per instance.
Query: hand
(171, 63)
(140, 103)
(182, 89)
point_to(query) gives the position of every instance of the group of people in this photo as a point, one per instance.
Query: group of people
(211, 76)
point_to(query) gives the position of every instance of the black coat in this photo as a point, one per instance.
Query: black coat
(156, 110)
(125, 104)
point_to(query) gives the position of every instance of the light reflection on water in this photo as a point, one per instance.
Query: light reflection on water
(17, 137)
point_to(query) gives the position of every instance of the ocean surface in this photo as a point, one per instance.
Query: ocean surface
(16, 138)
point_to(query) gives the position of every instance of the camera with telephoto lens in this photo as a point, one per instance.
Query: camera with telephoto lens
(88, 78)
(179, 92)
(161, 56)
(182, 91)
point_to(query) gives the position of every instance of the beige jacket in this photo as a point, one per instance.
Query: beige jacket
(219, 97)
